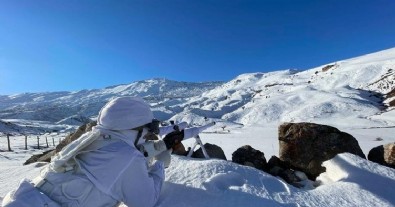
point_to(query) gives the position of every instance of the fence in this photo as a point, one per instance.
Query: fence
(38, 144)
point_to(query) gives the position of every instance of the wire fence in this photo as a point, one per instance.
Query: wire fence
(30, 141)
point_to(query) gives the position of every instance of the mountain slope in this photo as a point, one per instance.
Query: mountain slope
(358, 91)
(353, 89)
(56, 106)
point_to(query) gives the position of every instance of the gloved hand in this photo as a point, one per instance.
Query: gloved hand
(173, 138)
(165, 157)
(151, 148)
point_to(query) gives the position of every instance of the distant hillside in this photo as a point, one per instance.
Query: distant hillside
(56, 106)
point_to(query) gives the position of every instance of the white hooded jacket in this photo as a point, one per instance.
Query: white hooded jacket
(118, 169)
(106, 168)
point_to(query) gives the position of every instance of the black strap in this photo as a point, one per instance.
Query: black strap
(138, 136)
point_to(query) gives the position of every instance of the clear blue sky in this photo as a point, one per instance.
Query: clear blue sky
(68, 45)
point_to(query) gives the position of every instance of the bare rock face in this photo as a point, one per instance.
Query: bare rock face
(246, 155)
(326, 68)
(213, 151)
(304, 146)
(384, 155)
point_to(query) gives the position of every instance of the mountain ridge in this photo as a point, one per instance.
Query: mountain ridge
(357, 89)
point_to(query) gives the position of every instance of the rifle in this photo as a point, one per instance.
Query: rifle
(152, 148)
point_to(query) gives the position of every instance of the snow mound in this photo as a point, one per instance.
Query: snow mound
(369, 176)
(349, 181)
(194, 182)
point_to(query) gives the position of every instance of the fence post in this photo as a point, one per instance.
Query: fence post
(25, 142)
(8, 140)
(46, 140)
(38, 142)
(53, 141)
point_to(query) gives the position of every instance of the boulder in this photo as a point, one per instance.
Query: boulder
(246, 155)
(179, 149)
(305, 146)
(213, 151)
(384, 155)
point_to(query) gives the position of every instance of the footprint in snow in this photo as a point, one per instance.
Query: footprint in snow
(221, 182)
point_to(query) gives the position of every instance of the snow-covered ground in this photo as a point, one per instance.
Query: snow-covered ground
(349, 180)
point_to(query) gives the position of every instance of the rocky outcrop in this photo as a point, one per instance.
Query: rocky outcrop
(304, 146)
(246, 155)
(326, 68)
(384, 155)
(212, 150)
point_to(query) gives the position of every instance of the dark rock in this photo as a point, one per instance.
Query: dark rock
(246, 155)
(276, 162)
(326, 68)
(377, 155)
(213, 151)
(384, 155)
(44, 157)
(275, 170)
(277, 167)
(289, 176)
(306, 145)
(179, 149)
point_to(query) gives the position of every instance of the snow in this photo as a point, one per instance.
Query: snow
(247, 111)
(348, 181)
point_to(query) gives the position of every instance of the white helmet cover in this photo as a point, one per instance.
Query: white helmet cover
(125, 113)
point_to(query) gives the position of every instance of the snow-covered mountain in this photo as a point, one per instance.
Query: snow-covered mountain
(56, 106)
(358, 91)
(354, 90)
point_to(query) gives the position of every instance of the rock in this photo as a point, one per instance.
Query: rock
(44, 157)
(246, 155)
(276, 162)
(304, 146)
(289, 176)
(179, 149)
(275, 170)
(383, 154)
(377, 155)
(279, 168)
(326, 68)
(213, 151)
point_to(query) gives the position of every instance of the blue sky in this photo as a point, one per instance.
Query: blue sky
(58, 45)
